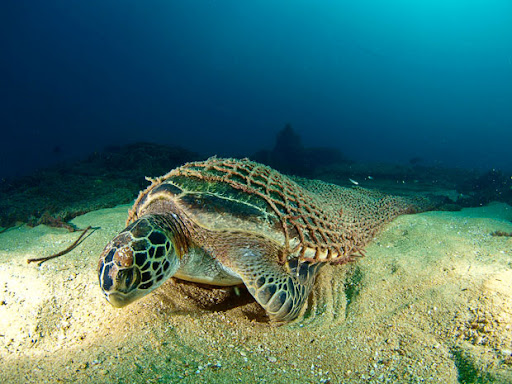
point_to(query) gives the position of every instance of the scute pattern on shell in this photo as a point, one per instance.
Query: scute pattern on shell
(320, 221)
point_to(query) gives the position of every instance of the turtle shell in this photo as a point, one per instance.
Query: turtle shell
(307, 218)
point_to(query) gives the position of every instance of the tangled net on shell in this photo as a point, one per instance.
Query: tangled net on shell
(319, 221)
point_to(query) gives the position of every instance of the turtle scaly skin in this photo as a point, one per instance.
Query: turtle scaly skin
(227, 221)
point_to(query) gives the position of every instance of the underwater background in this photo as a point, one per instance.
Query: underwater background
(411, 98)
(394, 81)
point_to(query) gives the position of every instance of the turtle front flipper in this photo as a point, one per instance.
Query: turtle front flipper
(283, 293)
(282, 290)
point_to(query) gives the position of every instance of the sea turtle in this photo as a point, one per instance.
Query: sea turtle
(227, 222)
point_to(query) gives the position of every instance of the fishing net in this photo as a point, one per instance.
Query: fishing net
(319, 221)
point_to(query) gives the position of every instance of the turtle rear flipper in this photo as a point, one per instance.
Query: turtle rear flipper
(282, 290)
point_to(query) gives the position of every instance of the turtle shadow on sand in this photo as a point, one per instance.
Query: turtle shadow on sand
(185, 297)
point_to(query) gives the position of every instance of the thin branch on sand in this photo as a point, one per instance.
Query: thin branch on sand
(41, 260)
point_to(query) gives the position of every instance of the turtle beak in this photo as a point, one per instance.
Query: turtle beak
(120, 285)
(119, 300)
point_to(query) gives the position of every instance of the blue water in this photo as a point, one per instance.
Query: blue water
(380, 80)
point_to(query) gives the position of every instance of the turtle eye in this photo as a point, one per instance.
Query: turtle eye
(128, 279)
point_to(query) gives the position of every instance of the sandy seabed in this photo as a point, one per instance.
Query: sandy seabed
(430, 303)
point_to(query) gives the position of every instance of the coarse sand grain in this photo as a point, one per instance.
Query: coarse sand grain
(430, 303)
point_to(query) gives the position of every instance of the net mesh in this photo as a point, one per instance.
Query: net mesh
(320, 221)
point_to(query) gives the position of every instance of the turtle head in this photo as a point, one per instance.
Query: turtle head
(138, 260)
